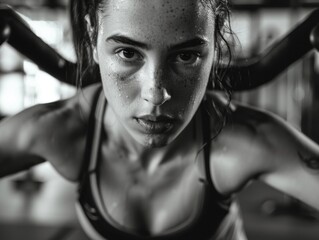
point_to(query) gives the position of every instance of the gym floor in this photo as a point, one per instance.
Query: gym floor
(45, 210)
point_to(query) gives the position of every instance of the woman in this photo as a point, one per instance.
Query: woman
(150, 161)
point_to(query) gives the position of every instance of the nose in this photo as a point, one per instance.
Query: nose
(156, 95)
(153, 90)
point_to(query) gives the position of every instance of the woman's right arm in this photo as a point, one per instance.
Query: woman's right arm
(16, 139)
(53, 132)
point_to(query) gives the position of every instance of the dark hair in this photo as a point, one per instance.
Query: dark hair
(223, 48)
(223, 57)
(88, 70)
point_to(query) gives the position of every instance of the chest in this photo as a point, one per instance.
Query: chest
(162, 201)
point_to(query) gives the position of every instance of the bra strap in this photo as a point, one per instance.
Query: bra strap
(223, 200)
(206, 131)
(98, 130)
(89, 137)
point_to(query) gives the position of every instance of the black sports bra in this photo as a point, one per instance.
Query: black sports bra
(214, 208)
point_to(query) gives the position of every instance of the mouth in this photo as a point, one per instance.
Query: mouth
(155, 124)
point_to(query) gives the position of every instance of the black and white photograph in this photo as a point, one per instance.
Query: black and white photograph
(159, 119)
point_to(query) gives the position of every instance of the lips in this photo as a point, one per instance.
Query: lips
(155, 124)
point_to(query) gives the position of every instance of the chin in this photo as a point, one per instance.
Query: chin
(156, 141)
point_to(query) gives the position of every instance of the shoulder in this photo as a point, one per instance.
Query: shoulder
(64, 114)
(86, 98)
(256, 144)
(238, 152)
(245, 121)
(57, 131)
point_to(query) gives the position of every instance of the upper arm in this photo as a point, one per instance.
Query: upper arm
(55, 132)
(60, 133)
(47, 132)
(280, 155)
(16, 139)
(293, 161)
(235, 156)
(259, 145)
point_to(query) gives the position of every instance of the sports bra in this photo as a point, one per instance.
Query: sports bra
(216, 219)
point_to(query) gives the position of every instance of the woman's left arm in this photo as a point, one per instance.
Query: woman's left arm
(292, 160)
(256, 144)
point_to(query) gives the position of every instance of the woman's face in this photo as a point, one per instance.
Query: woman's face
(155, 58)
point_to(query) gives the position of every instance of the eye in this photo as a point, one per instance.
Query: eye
(128, 55)
(187, 57)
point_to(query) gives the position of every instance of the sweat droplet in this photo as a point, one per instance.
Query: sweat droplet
(166, 95)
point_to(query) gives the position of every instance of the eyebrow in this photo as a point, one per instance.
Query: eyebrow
(197, 41)
(126, 40)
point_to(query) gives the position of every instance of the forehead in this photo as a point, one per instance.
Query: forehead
(153, 18)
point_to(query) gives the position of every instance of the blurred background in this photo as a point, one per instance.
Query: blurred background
(38, 204)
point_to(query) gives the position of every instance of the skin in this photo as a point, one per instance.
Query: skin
(136, 85)
(144, 174)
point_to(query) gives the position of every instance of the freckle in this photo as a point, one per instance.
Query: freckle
(181, 112)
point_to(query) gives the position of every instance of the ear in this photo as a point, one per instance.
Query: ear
(95, 55)
(89, 29)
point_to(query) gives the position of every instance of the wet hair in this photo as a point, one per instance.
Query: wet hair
(84, 39)
(224, 38)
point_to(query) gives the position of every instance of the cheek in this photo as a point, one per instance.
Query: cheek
(120, 89)
(190, 92)
(194, 85)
